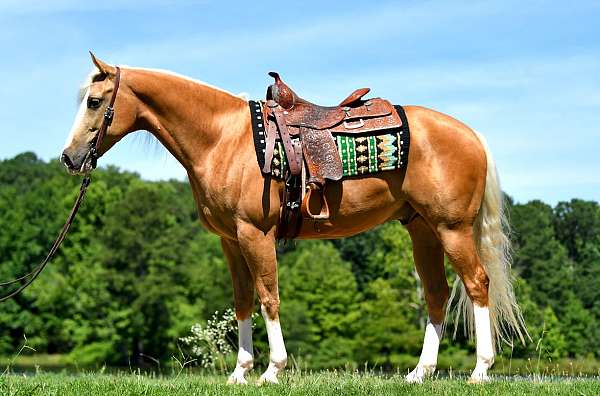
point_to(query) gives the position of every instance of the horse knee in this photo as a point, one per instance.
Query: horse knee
(270, 307)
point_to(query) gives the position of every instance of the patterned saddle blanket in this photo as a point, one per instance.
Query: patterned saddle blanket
(361, 154)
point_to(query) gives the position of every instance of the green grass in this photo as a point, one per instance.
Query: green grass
(460, 361)
(321, 383)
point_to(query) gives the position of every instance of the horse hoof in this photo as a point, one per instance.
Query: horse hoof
(413, 379)
(235, 379)
(266, 379)
(418, 375)
(476, 379)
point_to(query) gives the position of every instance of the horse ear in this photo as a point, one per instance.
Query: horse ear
(102, 67)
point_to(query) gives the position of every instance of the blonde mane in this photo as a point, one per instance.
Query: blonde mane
(183, 77)
(95, 73)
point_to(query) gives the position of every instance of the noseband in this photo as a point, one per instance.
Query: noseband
(93, 154)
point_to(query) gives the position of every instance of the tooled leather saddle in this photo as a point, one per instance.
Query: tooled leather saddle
(306, 132)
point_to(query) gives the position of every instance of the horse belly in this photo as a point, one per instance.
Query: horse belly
(358, 205)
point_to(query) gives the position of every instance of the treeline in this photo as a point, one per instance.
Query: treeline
(137, 270)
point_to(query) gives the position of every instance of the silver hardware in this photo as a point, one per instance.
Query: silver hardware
(359, 124)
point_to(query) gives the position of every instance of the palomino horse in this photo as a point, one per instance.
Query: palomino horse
(449, 191)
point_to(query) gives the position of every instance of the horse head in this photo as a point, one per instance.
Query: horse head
(78, 155)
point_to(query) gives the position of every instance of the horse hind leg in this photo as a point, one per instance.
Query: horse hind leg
(428, 255)
(460, 247)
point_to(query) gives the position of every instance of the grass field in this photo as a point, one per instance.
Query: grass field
(323, 383)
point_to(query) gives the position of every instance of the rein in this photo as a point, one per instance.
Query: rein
(92, 155)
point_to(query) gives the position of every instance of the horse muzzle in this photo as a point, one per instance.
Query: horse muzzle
(77, 164)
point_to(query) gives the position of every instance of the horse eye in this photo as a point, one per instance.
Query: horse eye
(94, 103)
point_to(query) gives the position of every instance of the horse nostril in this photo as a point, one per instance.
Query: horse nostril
(67, 161)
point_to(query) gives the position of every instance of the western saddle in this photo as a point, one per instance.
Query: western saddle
(306, 132)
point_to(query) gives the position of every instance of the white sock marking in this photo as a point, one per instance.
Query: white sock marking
(485, 346)
(431, 344)
(278, 354)
(245, 353)
(245, 356)
(429, 354)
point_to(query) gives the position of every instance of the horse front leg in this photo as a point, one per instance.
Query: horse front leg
(243, 292)
(259, 251)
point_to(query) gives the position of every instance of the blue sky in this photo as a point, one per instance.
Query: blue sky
(525, 74)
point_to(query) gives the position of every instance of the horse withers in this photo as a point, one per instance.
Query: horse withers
(449, 191)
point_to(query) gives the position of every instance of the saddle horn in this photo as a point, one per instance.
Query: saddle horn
(281, 93)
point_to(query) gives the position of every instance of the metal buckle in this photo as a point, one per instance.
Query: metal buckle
(109, 113)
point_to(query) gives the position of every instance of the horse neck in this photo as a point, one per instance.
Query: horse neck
(189, 118)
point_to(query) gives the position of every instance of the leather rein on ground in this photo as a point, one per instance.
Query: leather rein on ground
(91, 155)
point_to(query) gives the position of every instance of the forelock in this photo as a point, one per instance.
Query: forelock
(93, 76)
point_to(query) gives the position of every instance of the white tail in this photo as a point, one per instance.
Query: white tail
(494, 249)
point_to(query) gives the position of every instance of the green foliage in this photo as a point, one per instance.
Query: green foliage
(386, 333)
(137, 271)
(540, 258)
(321, 291)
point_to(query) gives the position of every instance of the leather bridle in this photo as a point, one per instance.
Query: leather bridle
(109, 114)
(93, 155)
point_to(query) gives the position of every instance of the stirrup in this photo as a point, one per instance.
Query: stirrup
(324, 211)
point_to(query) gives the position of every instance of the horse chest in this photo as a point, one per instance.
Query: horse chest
(212, 215)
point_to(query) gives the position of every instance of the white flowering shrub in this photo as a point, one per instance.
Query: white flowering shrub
(213, 342)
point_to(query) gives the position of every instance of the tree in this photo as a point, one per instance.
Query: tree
(539, 257)
(577, 224)
(319, 304)
(385, 330)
